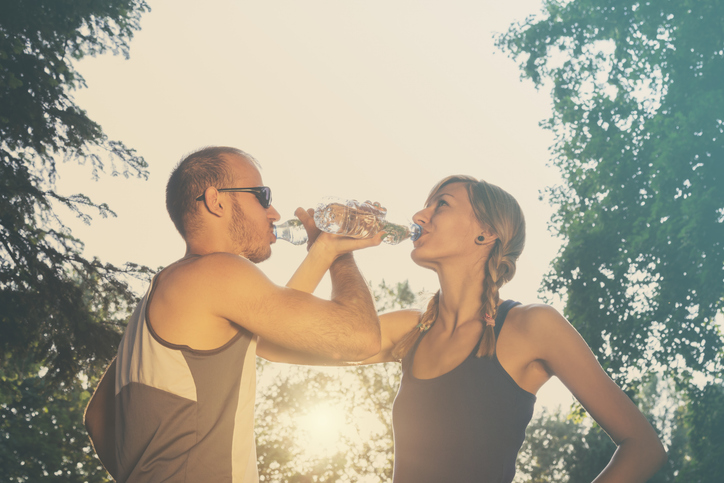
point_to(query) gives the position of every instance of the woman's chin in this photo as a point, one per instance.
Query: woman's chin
(419, 259)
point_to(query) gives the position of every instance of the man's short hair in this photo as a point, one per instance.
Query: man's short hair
(194, 173)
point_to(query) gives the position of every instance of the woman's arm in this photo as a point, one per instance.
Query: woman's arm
(566, 355)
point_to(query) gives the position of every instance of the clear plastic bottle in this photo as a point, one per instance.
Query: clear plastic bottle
(350, 218)
(292, 231)
(395, 233)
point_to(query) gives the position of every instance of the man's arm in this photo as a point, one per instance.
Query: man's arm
(100, 419)
(393, 325)
(225, 287)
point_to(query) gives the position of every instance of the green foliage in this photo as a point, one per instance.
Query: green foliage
(637, 115)
(394, 298)
(571, 447)
(638, 119)
(558, 448)
(60, 313)
(42, 436)
(704, 419)
(57, 308)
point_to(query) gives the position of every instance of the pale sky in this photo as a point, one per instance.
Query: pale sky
(358, 99)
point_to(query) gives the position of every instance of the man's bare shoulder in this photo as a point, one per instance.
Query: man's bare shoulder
(199, 301)
(203, 269)
(221, 261)
(206, 278)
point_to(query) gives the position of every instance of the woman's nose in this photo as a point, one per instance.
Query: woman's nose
(420, 217)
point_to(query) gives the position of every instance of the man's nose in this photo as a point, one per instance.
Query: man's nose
(273, 214)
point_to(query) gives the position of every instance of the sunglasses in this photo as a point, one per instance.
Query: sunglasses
(262, 193)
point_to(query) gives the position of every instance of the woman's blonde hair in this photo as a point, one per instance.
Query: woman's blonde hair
(500, 213)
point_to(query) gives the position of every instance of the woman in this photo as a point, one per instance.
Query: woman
(473, 362)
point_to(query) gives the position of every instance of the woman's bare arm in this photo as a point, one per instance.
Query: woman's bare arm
(564, 352)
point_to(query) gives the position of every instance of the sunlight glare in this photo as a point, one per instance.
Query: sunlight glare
(320, 429)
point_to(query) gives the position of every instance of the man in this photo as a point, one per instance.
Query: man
(180, 394)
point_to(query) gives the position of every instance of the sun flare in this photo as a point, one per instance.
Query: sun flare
(320, 430)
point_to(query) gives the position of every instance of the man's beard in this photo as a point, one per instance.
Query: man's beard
(249, 245)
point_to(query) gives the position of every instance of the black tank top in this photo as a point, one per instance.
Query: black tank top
(464, 426)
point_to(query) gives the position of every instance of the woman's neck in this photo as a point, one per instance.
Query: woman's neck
(461, 290)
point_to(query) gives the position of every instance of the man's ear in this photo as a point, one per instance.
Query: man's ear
(212, 201)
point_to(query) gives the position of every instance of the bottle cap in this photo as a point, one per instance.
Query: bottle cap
(415, 231)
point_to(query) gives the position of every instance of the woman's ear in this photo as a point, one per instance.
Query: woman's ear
(485, 238)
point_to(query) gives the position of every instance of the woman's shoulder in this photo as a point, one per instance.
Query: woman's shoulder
(533, 319)
(540, 331)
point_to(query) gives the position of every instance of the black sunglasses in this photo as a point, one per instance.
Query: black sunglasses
(262, 193)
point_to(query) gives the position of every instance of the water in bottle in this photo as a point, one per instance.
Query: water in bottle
(349, 218)
(292, 231)
(395, 233)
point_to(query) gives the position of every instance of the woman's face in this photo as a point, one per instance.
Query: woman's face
(449, 228)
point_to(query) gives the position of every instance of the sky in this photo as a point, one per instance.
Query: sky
(370, 100)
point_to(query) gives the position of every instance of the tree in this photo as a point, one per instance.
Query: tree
(639, 139)
(60, 313)
(562, 448)
(56, 307)
(637, 117)
(42, 434)
(569, 446)
(704, 419)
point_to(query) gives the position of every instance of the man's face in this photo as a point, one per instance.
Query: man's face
(251, 225)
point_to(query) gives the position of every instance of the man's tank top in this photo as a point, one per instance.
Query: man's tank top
(464, 426)
(184, 415)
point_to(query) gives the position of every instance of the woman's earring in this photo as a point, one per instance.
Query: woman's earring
(481, 239)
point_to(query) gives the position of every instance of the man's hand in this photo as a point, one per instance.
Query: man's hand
(332, 245)
(307, 219)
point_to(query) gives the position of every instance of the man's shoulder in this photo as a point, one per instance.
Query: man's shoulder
(208, 291)
(202, 272)
(218, 262)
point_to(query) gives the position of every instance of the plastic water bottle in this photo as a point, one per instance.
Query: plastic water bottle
(292, 231)
(349, 218)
